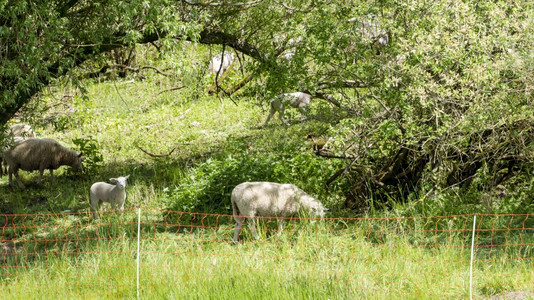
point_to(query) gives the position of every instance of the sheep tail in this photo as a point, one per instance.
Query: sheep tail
(235, 209)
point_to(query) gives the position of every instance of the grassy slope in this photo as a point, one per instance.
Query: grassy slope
(217, 144)
(121, 117)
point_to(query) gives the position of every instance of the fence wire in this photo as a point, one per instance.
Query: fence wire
(71, 254)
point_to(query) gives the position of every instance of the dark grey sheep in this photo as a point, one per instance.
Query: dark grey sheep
(39, 154)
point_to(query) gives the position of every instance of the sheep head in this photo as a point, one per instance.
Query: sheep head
(121, 181)
(313, 205)
(77, 165)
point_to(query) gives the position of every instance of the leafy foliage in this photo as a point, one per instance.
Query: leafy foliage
(92, 158)
(208, 186)
(442, 109)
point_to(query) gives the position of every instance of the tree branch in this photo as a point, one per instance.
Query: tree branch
(156, 155)
(342, 83)
(70, 4)
(171, 89)
(214, 4)
(210, 37)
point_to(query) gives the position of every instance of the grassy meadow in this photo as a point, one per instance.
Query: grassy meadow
(207, 145)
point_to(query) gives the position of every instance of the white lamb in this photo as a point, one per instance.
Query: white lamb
(269, 199)
(221, 62)
(297, 100)
(105, 192)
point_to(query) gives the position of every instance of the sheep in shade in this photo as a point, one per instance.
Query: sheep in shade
(221, 62)
(16, 134)
(22, 130)
(114, 194)
(269, 199)
(39, 154)
(297, 100)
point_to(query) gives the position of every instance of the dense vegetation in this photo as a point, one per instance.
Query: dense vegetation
(438, 120)
(442, 112)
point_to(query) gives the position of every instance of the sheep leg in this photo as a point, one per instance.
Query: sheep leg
(253, 228)
(281, 116)
(19, 182)
(238, 223)
(271, 113)
(115, 206)
(10, 179)
(303, 112)
(120, 207)
(95, 207)
(10, 174)
(51, 175)
(280, 226)
(41, 171)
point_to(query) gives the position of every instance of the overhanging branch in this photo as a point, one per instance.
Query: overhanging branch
(216, 4)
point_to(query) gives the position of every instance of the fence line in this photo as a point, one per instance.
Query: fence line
(439, 256)
(472, 257)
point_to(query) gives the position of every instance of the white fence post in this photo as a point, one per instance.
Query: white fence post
(138, 248)
(472, 257)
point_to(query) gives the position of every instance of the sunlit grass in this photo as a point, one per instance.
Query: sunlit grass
(216, 141)
(184, 256)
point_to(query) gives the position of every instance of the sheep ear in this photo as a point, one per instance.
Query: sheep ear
(127, 176)
(326, 209)
(80, 154)
(114, 180)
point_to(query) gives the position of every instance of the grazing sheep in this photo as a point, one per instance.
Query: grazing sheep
(16, 134)
(105, 192)
(39, 154)
(269, 199)
(221, 62)
(297, 100)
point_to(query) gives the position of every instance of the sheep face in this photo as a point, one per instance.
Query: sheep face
(318, 210)
(77, 165)
(314, 206)
(121, 181)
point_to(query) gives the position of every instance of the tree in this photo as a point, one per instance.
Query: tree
(44, 40)
(444, 100)
(448, 104)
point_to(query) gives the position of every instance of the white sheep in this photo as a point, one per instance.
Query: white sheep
(39, 154)
(297, 100)
(220, 62)
(269, 199)
(22, 130)
(104, 192)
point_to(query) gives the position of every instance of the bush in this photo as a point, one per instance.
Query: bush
(208, 186)
(92, 159)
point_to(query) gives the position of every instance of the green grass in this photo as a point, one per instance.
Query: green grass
(218, 144)
(206, 133)
(187, 255)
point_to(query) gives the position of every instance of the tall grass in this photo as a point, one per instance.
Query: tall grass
(188, 255)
